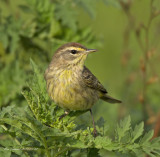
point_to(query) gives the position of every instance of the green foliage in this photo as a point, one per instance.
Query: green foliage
(12, 84)
(34, 29)
(39, 128)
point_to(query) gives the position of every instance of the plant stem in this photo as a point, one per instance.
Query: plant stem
(145, 47)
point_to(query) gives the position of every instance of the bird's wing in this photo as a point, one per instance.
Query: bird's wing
(91, 81)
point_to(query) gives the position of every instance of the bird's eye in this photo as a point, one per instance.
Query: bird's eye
(73, 51)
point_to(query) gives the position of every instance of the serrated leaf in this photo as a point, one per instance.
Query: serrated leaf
(148, 151)
(39, 77)
(156, 143)
(123, 127)
(19, 125)
(102, 142)
(5, 152)
(6, 110)
(137, 132)
(138, 152)
(64, 12)
(147, 137)
(11, 122)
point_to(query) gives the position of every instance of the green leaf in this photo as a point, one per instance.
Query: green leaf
(64, 12)
(11, 122)
(93, 153)
(102, 142)
(147, 137)
(6, 110)
(138, 131)
(5, 152)
(123, 128)
(39, 77)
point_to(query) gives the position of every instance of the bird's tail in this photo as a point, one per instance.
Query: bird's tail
(109, 99)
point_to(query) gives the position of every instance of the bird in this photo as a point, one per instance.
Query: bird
(70, 84)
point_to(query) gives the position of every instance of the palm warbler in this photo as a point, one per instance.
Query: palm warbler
(70, 84)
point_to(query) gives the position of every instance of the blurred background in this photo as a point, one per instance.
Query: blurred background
(125, 32)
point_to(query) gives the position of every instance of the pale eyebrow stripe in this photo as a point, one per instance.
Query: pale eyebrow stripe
(74, 48)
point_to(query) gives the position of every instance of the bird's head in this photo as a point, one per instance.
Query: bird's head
(71, 54)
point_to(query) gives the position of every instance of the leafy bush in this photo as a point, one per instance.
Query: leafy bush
(38, 127)
(35, 29)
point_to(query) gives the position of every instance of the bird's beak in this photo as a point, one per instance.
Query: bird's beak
(91, 50)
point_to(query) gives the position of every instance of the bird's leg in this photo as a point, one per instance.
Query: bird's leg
(94, 131)
(63, 115)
